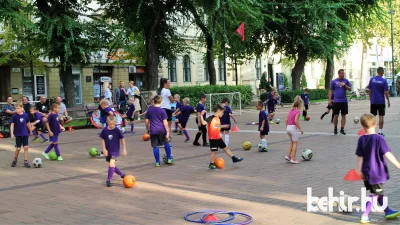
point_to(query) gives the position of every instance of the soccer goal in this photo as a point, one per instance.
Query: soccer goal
(235, 101)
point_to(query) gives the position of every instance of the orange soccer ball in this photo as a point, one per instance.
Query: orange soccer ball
(307, 118)
(129, 181)
(146, 137)
(219, 163)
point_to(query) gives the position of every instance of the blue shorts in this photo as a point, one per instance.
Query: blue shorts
(21, 141)
(54, 138)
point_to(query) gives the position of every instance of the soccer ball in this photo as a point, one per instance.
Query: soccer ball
(278, 121)
(356, 119)
(307, 154)
(261, 149)
(37, 162)
(247, 145)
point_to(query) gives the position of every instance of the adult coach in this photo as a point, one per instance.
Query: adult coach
(378, 90)
(121, 93)
(165, 93)
(339, 87)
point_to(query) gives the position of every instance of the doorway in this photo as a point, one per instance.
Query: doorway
(5, 83)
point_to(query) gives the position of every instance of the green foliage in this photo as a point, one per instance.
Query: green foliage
(193, 92)
(303, 82)
(285, 81)
(321, 82)
(288, 96)
(263, 81)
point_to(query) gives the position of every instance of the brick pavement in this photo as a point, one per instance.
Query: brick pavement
(263, 185)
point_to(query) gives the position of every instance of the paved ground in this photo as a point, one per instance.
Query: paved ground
(263, 185)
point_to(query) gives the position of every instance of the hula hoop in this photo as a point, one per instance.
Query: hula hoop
(248, 217)
(232, 216)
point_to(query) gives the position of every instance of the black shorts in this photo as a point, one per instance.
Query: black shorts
(158, 140)
(340, 108)
(130, 119)
(108, 158)
(169, 114)
(216, 144)
(226, 129)
(329, 106)
(183, 125)
(306, 107)
(374, 188)
(262, 133)
(39, 127)
(21, 141)
(378, 108)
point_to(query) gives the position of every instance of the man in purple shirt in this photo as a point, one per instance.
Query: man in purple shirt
(378, 90)
(339, 86)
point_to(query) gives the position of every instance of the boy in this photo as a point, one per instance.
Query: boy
(329, 107)
(54, 127)
(110, 142)
(306, 101)
(130, 116)
(263, 125)
(105, 111)
(19, 127)
(157, 126)
(37, 124)
(202, 128)
(371, 165)
(271, 103)
(183, 117)
(214, 135)
(178, 106)
(226, 119)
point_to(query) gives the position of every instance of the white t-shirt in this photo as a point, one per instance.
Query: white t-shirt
(62, 108)
(165, 94)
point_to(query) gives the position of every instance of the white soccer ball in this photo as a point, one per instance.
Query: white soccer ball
(37, 162)
(307, 154)
(278, 121)
(259, 147)
(356, 119)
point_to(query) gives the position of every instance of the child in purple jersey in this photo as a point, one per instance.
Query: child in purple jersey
(111, 138)
(183, 117)
(306, 99)
(178, 104)
(157, 126)
(54, 127)
(293, 128)
(371, 165)
(226, 120)
(263, 125)
(37, 125)
(20, 128)
(271, 104)
(130, 116)
(106, 111)
(202, 128)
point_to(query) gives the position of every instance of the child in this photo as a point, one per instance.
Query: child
(130, 116)
(271, 103)
(54, 127)
(157, 126)
(37, 124)
(178, 106)
(293, 128)
(329, 107)
(111, 137)
(371, 164)
(19, 127)
(263, 125)
(202, 128)
(306, 101)
(183, 117)
(105, 111)
(214, 135)
(226, 119)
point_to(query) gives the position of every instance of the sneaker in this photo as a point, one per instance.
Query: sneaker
(236, 159)
(302, 118)
(287, 158)
(171, 161)
(161, 146)
(59, 158)
(187, 140)
(123, 175)
(196, 144)
(14, 163)
(382, 134)
(175, 131)
(180, 133)
(365, 219)
(392, 214)
(271, 122)
(342, 132)
(206, 145)
(35, 139)
(335, 131)
(46, 155)
(45, 141)
(157, 165)
(26, 164)
(212, 167)
(322, 116)
(138, 118)
(108, 182)
(294, 161)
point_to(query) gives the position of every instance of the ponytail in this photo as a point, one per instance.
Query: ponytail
(162, 82)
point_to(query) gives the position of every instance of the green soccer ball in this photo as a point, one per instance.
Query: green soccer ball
(93, 152)
(53, 155)
(247, 145)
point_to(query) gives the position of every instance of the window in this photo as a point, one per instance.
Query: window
(221, 69)
(206, 75)
(187, 76)
(76, 76)
(172, 70)
(258, 68)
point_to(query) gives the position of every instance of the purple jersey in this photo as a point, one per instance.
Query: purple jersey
(271, 103)
(261, 117)
(305, 98)
(131, 110)
(112, 140)
(20, 122)
(378, 86)
(373, 148)
(340, 92)
(156, 115)
(39, 117)
(226, 119)
(54, 123)
(185, 113)
(200, 107)
(179, 105)
(106, 113)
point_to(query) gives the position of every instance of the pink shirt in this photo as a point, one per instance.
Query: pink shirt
(292, 116)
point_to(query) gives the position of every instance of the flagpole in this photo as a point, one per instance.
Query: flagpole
(224, 46)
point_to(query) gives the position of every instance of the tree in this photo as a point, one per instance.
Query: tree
(263, 81)
(303, 81)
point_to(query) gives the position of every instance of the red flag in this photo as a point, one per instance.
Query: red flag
(240, 30)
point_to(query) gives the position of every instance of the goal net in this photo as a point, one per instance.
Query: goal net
(235, 101)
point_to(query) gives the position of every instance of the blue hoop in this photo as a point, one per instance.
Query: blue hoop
(232, 216)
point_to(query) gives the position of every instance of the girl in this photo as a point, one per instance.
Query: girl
(107, 92)
(293, 128)
(167, 99)
(178, 107)
(133, 91)
(263, 126)
(183, 117)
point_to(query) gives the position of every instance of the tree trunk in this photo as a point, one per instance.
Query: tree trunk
(68, 83)
(236, 71)
(363, 58)
(330, 64)
(32, 80)
(298, 68)
(152, 54)
(210, 60)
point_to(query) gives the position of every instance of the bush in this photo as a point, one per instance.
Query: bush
(303, 81)
(288, 96)
(263, 81)
(193, 92)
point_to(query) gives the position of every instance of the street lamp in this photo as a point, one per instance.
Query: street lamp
(393, 91)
